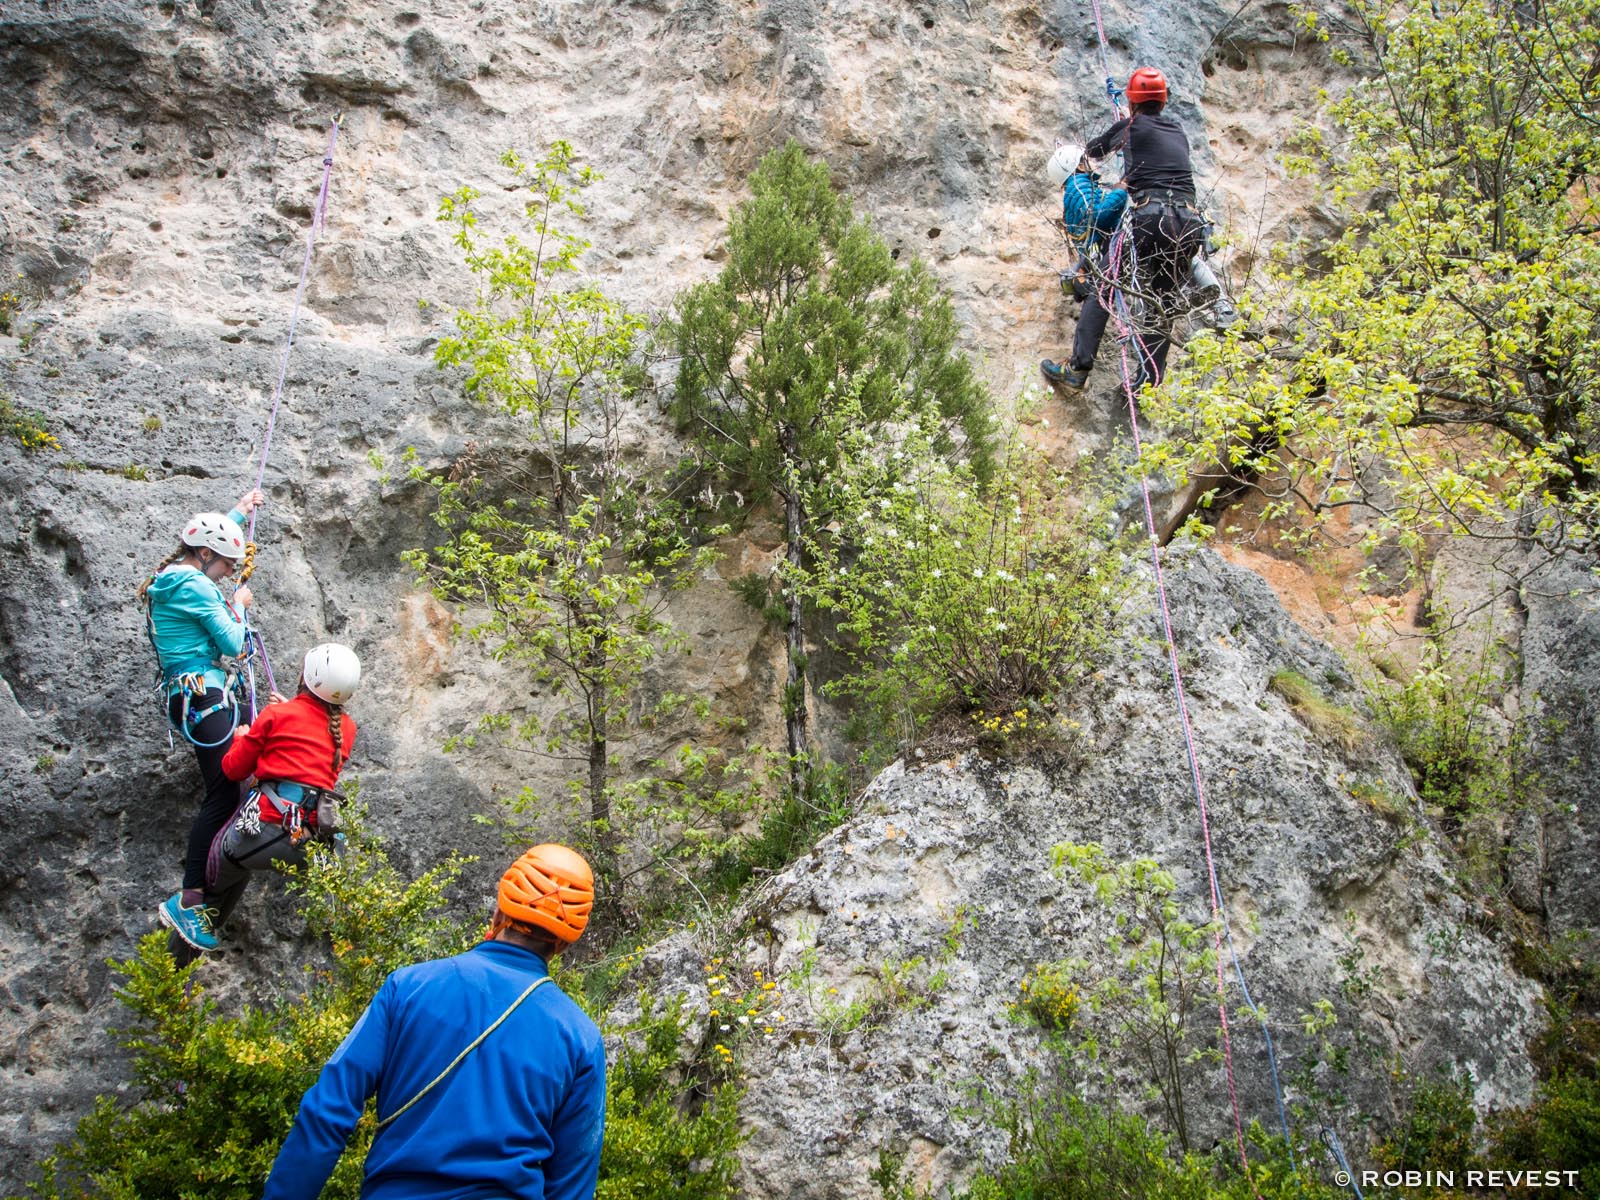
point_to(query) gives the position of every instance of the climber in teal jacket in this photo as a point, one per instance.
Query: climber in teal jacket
(520, 1114)
(1090, 212)
(193, 627)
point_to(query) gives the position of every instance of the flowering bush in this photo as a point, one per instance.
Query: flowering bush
(949, 595)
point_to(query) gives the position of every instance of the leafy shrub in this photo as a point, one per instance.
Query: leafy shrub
(214, 1094)
(1049, 995)
(955, 596)
(217, 1093)
(1559, 1131)
(1443, 719)
(27, 427)
(1147, 1004)
(1065, 1148)
(667, 1134)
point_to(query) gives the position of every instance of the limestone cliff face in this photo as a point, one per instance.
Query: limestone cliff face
(158, 163)
(930, 908)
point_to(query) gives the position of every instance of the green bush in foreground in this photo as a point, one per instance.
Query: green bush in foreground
(1063, 1148)
(214, 1093)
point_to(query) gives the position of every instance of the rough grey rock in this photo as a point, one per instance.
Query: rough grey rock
(158, 169)
(1327, 898)
(1561, 662)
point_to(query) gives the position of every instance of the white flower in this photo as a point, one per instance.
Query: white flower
(937, 573)
(724, 1028)
(977, 572)
(911, 543)
(990, 611)
(884, 503)
(744, 1020)
(999, 626)
(1049, 576)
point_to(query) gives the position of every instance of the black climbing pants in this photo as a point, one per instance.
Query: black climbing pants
(221, 793)
(1166, 237)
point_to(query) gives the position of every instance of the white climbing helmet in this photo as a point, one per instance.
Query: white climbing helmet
(213, 531)
(1063, 162)
(331, 672)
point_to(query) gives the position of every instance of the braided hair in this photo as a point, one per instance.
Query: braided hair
(181, 552)
(336, 731)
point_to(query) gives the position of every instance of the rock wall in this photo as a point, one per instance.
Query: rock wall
(1337, 889)
(158, 170)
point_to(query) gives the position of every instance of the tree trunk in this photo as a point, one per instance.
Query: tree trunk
(794, 690)
(599, 796)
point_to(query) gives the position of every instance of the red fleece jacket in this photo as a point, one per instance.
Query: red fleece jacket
(290, 741)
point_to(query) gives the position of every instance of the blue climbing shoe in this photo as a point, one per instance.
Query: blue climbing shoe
(195, 925)
(1064, 374)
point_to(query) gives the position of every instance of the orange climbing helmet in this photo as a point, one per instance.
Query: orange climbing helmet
(1146, 83)
(550, 887)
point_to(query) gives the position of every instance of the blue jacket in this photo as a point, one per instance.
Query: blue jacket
(521, 1116)
(192, 625)
(1091, 212)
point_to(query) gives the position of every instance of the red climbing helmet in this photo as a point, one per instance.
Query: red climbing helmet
(1146, 83)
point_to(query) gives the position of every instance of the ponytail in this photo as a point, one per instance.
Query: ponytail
(181, 552)
(336, 732)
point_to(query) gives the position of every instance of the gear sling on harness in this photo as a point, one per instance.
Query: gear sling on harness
(274, 824)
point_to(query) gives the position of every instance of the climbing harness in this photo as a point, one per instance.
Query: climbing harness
(192, 684)
(275, 823)
(460, 1058)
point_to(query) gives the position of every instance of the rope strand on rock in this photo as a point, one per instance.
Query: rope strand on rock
(317, 218)
(1116, 303)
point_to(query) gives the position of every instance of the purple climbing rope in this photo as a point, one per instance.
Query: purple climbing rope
(294, 315)
(318, 216)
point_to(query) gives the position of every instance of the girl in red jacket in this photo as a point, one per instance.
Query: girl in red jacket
(295, 750)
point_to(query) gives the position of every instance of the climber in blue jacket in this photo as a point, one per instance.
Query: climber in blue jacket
(1090, 210)
(194, 630)
(490, 1081)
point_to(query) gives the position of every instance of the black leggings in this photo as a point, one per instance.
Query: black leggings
(221, 795)
(1165, 240)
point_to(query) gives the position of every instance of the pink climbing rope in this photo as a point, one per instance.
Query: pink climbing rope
(1127, 334)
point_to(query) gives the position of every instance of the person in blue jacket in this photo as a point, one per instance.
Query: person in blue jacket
(1090, 211)
(490, 1081)
(194, 629)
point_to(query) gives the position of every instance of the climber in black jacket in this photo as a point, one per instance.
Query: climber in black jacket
(1167, 229)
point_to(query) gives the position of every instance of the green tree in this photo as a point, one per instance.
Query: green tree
(570, 552)
(1164, 968)
(811, 323)
(1434, 366)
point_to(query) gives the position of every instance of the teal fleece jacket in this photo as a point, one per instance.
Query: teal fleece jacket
(520, 1118)
(192, 625)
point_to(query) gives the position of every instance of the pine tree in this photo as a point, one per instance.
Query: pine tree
(812, 308)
